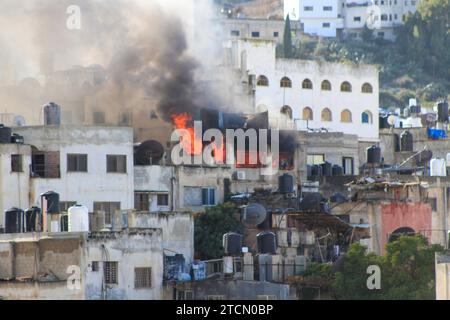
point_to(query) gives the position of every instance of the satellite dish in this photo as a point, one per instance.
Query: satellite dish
(391, 120)
(254, 214)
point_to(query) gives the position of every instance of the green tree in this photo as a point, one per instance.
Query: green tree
(287, 40)
(209, 228)
(367, 34)
(407, 271)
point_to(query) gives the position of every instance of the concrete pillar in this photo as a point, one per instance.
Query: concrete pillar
(443, 276)
(249, 271)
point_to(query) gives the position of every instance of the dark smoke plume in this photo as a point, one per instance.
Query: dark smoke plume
(142, 45)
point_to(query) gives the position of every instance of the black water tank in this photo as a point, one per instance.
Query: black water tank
(33, 219)
(424, 157)
(286, 183)
(338, 198)
(52, 114)
(232, 243)
(384, 122)
(5, 134)
(373, 155)
(327, 169)
(14, 220)
(313, 202)
(316, 171)
(52, 202)
(406, 141)
(443, 113)
(267, 243)
(309, 171)
(338, 171)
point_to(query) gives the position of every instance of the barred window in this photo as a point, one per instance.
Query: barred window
(142, 277)
(110, 270)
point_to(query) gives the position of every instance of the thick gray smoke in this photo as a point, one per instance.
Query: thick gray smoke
(143, 45)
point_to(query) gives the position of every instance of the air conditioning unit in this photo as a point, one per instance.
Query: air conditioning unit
(240, 175)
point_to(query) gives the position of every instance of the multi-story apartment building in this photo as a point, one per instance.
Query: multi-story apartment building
(307, 95)
(322, 18)
(333, 18)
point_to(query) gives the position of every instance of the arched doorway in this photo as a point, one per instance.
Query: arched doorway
(404, 231)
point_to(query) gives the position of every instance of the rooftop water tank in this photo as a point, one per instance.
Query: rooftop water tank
(14, 220)
(51, 202)
(232, 243)
(424, 157)
(267, 243)
(338, 171)
(384, 122)
(327, 169)
(438, 168)
(286, 183)
(316, 171)
(78, 219)
(33, 219)
(5, 134)
(373, 155)
(406, 141)
(52, 114)
(443, 113)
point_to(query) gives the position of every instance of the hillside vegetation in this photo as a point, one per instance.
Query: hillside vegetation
(417, 65)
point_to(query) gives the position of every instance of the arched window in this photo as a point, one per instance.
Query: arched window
(262, 81)
(367, 88)
(307, 84)
(287, 112)
(346, 87)
(327, 115)
(286, 82)
(346, 116)
(366, 117)
(326, 85)
(308, 114)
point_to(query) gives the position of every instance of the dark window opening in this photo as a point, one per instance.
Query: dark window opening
(77, 163)
(142, 278)
(116, 164)
(16, 163)
(162, 200)
(141, 201)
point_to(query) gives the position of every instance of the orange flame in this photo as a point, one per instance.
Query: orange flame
(190, 143)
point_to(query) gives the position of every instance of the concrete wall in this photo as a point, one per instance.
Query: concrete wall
(38, 291)
(14, 186)
(261, 60)
(96, 185)
(136, 249)
(43, 260)
(235, 289)
(177, 228)
(442, 276)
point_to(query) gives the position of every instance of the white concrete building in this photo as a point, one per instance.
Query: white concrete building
(258, 29)
(309, 94)
(331, 18)
(382, 16)
(86, 165)
(318, 17)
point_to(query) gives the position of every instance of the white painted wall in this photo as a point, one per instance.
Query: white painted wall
(14, 187)
(136, 250)
(261, 61)
(96, 185)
